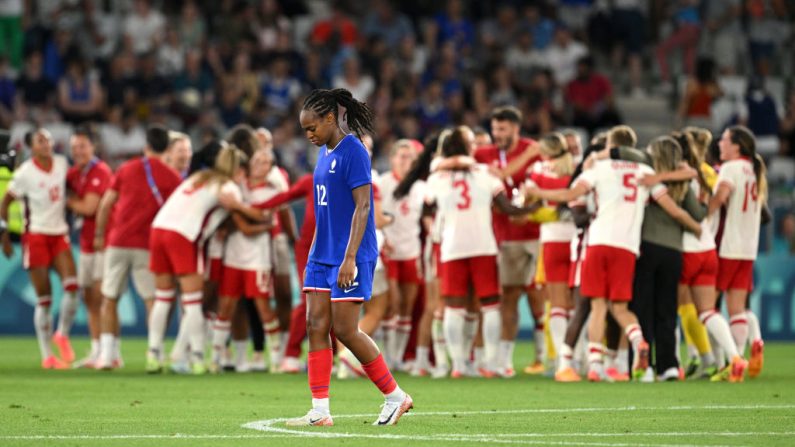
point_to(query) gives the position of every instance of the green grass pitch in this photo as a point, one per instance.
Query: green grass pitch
(130, 408)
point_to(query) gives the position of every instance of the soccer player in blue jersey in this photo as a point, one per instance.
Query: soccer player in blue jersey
(339, 275)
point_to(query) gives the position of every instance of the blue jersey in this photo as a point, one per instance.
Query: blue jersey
(338, 172)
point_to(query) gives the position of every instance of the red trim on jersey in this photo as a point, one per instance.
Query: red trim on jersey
(42, 168)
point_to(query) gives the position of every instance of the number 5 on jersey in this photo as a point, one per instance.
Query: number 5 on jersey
(321, 195)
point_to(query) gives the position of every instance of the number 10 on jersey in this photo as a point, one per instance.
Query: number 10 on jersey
(321, 195)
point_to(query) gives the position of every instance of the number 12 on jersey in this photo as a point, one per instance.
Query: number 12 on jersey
(321, 195)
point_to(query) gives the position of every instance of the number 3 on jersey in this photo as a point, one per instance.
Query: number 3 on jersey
(466, 199)
(321, 195)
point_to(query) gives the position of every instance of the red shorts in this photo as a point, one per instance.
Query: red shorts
(735, 274)
(608, 272)
(40, 250)
(407, 271)
(248, 283)
(170, 252)
(557, 261)
(216, 266)
(699, 269)
(480, 272)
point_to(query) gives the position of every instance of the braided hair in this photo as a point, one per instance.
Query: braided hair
(358, 115)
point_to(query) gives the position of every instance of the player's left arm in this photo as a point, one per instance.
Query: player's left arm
(560, 195)
(361, 199)
(87, 206)
(683, 217)
(720, 197)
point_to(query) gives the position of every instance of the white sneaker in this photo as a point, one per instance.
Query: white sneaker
(243, 367)
(258, 363)
(290, 365)
(670, 374)
(439, 372)
(180, 367)
(313, 418)
(392, 411)
(648, 376)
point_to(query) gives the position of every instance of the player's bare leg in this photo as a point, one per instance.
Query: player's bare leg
(629, 323)
(422, 366)
(283, 294)
(165, 296)
(535, 300)
(65, 266)
(577, 319)
(405, 306)
(270, 326)
(736, 300)
(42, 320)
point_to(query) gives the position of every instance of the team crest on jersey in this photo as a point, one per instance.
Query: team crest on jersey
(333, 166)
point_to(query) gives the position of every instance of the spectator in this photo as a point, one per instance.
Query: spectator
(150, 87)
(97, 32)
(190, 26)
(501, 31)
(360, 85)
(542, 104)
(574, 14)
(687, 28)
(11, 33)
(788, 127)
(279, 89)
(629, 28)
(767, 28)
(724, 33)
(35, 93)
(144, 27)
(122, 136)
(701, 90)
(413, 58)
(591, 98)
(229, 108)
(563, 54)
(761, 115)
(502, 91)
(171, 54)
(431, 109)
(119, 81)
(270, 22)
(389, 25)
(336, 31)
(244, 79)
(542, 29)
(79, 94)
(194, 86)
(58, 50)
(8, 91)
(453, 26)
(524, 59)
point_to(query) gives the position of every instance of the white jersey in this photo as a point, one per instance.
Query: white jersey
(743, 211)
(620, 201)
(542, 176)
(464, 201)
(251, 252)
(192, 209)
(43, 194)
(693, 244)
(403, 233)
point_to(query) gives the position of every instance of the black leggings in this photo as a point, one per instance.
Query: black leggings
(656, 284)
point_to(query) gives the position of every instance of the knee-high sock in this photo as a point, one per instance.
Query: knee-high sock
(695, 332)
(69, 304)
(739, 328)
(439, 343)
(454, 321)
(754, 330)
(492, 326)
(319, 365)
(158, 319)
(180, 348)
(471, 323)
(221, 329)
(596, 352)
(558, 319)
(273, 338)
(718, 329)
(538, 337)
(43, 324)
(194, 321)
(390, 339)
(402, 334)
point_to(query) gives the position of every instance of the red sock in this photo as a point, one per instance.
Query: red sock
(319, 365)
(379, 374)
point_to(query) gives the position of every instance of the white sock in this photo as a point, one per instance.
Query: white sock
(283, 337)
(754, 331)
(439, 343)
(221, 329)
(43, 324)
(634, 335)
(423, 358)
(241, 351)
(397, 395)
(390, 340)
(492, 327)
(273, 338)
(158, 319)
(471, 323)
(540, 343)
(707, 359)
(117, 348)
(194, 320)
(66, 317)
(454, 321)
(622, 361)
(180, 349)
(478, 357)
(106, 352)
(678, 344)
(558, 320)
(738, 325)
(720, 358)
(565, 356)
(595, 357)
(509, 346)
(402, 334)
(719, 330)
(94, 353)
(321, 406)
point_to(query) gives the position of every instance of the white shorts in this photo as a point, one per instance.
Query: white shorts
(380, 281)
(119, 263)
(90, 268)
(517, 262)
(281, 254)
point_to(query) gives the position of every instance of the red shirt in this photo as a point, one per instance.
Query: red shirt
(343, 28)
(137, 205)
(302, 188)
(589, 95)
(93, 178)
(504, 229)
